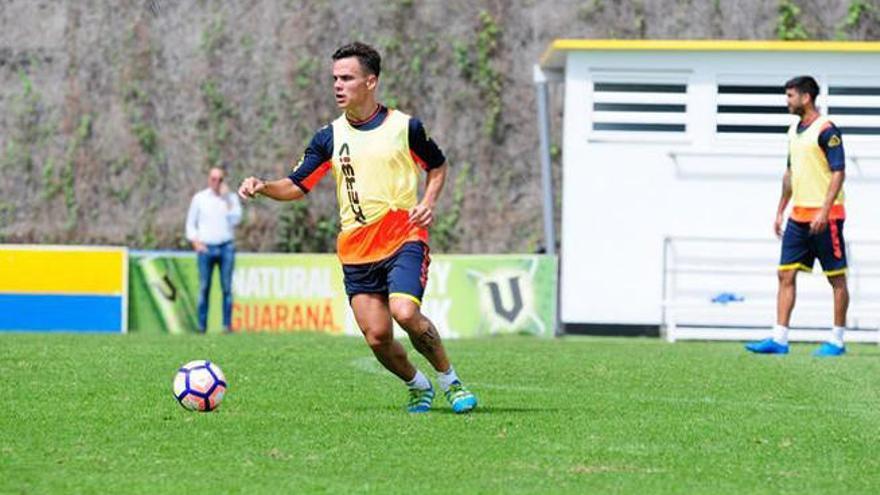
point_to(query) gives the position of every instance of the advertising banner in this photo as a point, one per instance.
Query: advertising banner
(466, 295)
(63, 289)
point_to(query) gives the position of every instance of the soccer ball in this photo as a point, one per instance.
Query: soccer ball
(199, 386)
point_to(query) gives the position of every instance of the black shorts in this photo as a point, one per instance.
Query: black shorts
(800, 248)
(403, 274)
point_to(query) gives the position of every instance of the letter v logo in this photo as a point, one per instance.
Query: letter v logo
(508, 314)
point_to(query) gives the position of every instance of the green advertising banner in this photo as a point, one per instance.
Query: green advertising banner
(466, 296)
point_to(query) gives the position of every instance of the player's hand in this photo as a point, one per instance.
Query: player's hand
(199, 246)
(250, 187)
(819, 224)
(421, 215)
(777, 225)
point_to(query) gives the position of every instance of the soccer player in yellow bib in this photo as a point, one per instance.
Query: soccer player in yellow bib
(813, 182)
(377, 155)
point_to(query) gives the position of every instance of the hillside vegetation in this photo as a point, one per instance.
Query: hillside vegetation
(112, 112)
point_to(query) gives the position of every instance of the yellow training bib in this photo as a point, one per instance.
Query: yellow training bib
(374, 170)
(810, 173)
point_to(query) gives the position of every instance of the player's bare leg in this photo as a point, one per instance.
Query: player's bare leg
(834, 346)
(785, 296)
(422, 332)
(841, 299)
(425, 338)
(374, 319)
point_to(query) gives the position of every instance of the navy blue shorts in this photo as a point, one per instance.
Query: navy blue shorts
(403, 274)
(800, 248)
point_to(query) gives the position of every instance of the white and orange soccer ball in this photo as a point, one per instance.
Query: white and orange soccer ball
(199, 386)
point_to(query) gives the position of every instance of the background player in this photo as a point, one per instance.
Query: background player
(814, 179)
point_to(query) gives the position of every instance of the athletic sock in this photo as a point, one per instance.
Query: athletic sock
(780, 334)
(837, 336)
(446, 379)
(420, 382)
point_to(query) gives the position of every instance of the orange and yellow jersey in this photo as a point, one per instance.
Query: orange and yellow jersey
(815, 150)
(377, 164)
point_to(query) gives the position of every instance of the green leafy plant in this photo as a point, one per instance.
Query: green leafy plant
(446, 230)
(216, 127)
(475, 63)
(788, 24)
(30, 132)
(299, 232)
(137, 104)
(7, 214)
(859, 14)
(67, 174)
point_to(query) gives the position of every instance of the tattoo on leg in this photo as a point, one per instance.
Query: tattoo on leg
(426, 341)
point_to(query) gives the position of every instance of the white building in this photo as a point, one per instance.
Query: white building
(673, 154)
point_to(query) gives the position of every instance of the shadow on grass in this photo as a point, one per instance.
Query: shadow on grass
(489, 410)
(479, 411)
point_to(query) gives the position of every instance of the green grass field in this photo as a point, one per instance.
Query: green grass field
(312, 413)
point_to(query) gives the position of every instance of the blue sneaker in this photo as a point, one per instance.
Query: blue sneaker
(767, 346)
(420, 400)
(827, 349)
(460, 398)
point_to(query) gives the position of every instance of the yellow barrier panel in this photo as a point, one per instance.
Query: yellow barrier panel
(42, 269)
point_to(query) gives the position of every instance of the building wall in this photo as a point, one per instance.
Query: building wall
(624, 192)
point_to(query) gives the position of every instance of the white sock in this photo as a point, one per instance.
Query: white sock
(447, 379)
(837, 336)
(420, 381)
(780, 334)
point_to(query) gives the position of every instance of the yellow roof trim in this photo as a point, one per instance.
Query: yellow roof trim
(552, 57)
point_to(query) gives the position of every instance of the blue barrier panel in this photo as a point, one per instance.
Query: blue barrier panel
(60, 313)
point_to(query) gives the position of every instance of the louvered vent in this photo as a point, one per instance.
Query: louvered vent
(855, 109)
(639, 108)
(751, 110)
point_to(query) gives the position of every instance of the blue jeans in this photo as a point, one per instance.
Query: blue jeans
(223, 255)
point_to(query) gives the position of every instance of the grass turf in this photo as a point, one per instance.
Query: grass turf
(312, 413)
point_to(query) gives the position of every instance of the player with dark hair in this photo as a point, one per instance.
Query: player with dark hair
(377, 155)
(813, 182)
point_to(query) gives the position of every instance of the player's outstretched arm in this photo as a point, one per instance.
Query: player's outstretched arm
(281, 189)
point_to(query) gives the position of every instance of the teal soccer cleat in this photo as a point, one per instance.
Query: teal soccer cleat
(420, 400)
(767, 346)
(460, 398)
(827, 349)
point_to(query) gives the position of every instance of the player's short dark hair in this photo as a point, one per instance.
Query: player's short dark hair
(369, 58)
(804, 85)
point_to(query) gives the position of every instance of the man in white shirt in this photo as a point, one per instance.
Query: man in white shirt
(213, 214)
